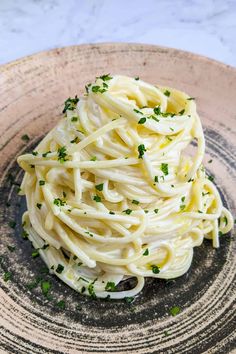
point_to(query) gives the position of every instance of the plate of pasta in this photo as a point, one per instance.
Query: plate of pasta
(118, 202)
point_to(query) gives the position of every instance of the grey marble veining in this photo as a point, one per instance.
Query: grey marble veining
(206, 27)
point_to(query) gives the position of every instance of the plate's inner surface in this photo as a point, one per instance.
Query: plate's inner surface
(72, 322)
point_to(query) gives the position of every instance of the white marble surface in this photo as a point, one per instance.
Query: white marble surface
(205, 27)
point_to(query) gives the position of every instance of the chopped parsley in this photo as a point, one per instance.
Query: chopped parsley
(135, 202)
(60, 268)
(110, 286)
(141, 150)
(59, 202)
(175, 310)
(142, 120)
(167, 93)
(91, 291)
(156, 211)
(62, 154)
(155, 269)
(182, 199)
(25, 138)
(127, 211)
(61, 304)
(46, 153)
(24, 234)
(225, 220)
(211, 178)
(166, 333)
(97, 198)
(106, 77)
(41, 183)
(74, 119)
(164, 168)
(129, 299)
(7, 276)
(157, 110)
(89, 233)
(45, 287)
(12, 224)
(70, 104)
(146, 211)
(182, 112)
(39, 206)
(35, 253)
(111, 212)
(35, 153)
(136, 78)
(11, 248)
(190, 98)
(210, 161)
(137, 111)
(75, 140)
(182, 207)
(99, 187)
(94, 158)
(146, 252)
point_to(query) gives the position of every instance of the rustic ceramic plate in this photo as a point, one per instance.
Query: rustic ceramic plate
(33, 90)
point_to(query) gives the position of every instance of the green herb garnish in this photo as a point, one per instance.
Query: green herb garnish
(127, 211)
(61, 304)
(141, 150)
(12, 224)
(167, 93)
(110, 286)
(7, 276)
(175, 310)
(70, 104)
(135, 202)
(75, 140)
(60, 268)
(35, 253)
(142, 120)
(62, 154)
(155, 269)
(97, 198)
(146, 252)
(11, 248)
(164, 168)
(99, 187)
(59, 202)
(25, 138)
(41, 183)
(45, 287)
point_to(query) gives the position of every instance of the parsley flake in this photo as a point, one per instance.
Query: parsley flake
(70, 104)
(135, 202)
(127, 211)
(99, 187)
(175, 310)
(155, 269)
(61, 153)
(25, 138)
(61, 304)
(97, 198)
(146, 252)
(60, 268)
(167, 93)
(41, 183)
(142, 120)
(141, 150)
(110, 286)
(7, 276)
(164, 168)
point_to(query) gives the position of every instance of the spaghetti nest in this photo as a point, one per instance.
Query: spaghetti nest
(111, 193)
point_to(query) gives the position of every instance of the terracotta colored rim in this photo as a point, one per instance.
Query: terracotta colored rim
(32, 91)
